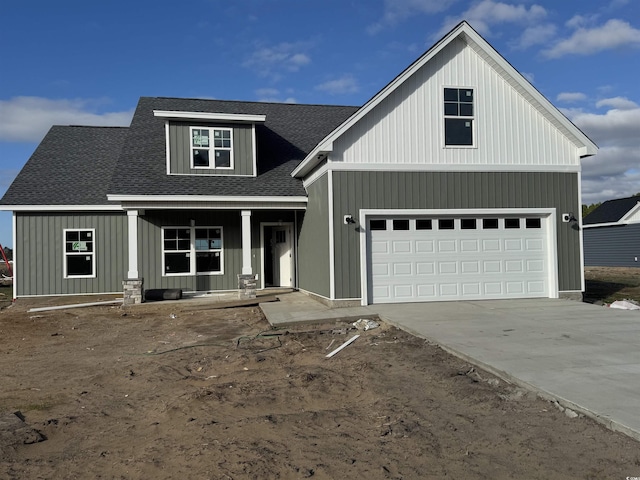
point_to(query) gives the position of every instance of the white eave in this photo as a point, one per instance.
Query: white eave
(205, 198)
(62, 208)
(220, 117)
(586, 147)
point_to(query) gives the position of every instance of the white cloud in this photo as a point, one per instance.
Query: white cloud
(585, 41)
(344, 84)
(27, 119)
(613, 172)
(395, 11)
(269, 61)
(580, 21)
(529, 76)
(481, 16)
(621, 103)
(536, 35)
(571, 97)
(273, 95)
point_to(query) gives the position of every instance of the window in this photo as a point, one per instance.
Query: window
(190, 250)
(445, 224)
(533, 223)
(468, 224)
(401, 224)
(458, 116)
(79, 254)
(511, 223)
(423, 224)
(378, 224)
(211, 147)
(489, 223)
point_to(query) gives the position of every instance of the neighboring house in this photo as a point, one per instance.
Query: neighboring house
(450, 183)
(612, 234)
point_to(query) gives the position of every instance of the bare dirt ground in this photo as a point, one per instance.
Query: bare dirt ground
(608, 284)
(180, 390)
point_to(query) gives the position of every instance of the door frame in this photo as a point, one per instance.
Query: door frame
(294, 250)
(547, 214)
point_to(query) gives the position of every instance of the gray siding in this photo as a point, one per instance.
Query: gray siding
(40, 253)
(615, 246)
(180, 150)
(150, 246)
(313, 256)
(459, 190)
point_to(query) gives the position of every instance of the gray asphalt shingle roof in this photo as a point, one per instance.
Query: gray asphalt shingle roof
(81, 165)
(288, 134)
(71, 166)
(611, 211)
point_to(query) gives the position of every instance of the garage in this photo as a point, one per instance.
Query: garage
(463, 257)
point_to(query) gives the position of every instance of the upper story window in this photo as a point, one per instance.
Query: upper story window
(211, 147)
(458, 117)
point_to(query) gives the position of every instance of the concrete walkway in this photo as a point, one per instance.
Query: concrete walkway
(584, 356)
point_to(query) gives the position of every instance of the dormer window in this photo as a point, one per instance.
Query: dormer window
(211, 147)
(458, 117)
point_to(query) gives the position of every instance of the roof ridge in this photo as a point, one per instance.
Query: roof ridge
(255, 102)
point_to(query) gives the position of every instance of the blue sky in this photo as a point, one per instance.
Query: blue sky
(87, 63)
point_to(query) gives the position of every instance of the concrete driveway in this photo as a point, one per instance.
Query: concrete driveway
(585, 356)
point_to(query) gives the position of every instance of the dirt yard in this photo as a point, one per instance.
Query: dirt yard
(179, 390)
(608, 284)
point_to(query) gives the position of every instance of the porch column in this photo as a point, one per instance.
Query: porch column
(246, 242)
(132, 217)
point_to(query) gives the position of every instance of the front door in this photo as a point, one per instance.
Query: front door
(281, 242)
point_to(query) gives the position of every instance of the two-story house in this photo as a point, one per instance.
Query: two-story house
(453, 182)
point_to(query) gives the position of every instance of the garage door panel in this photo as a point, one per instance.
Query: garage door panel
(471, 263)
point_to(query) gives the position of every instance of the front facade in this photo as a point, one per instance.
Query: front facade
(454, 182)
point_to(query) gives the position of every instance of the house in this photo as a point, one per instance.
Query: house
(454, 182)
(612, 234)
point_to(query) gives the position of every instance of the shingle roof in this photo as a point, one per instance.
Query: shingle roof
(611, 211)
(288, 134)
(71, 166)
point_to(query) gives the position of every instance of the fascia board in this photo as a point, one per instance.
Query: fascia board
(62, 208)
(203, 198)
(223, 117)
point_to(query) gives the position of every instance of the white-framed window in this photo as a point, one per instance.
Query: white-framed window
(192, 251)
(459, 116)
(79, 253)
(211, 147)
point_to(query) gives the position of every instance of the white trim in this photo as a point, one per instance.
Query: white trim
(632, 211)
(583, 281)
(210, 174)
(62, 208)
(254, 150)
(246, 242)
(167, 146)
(294, 256)
(14, 254)
(332, 252)
(549, 213)
(192, 250)
(610, 224)
(471, 37)
(202, 198)
(222, 117)
(458, 117)
(295, 248)
(65, 275)
(211, 148)
(132, 234)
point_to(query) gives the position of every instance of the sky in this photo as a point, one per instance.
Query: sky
(71, 62)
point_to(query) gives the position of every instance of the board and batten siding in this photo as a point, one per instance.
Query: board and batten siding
(180, 150)
(353, 191)
(407, 127)
(613, 246)
(313, 243)
(40, 253)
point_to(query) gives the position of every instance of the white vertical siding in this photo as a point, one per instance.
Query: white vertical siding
(407, 126)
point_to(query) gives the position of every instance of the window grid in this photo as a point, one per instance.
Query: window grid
(459, 117)
(192, 251)
(79, 253)
(211, 148)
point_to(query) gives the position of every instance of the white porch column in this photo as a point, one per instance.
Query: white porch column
(132, 217)
(246, 242)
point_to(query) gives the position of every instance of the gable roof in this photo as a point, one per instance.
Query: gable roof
(288, 134)
(611, 211)
(71, 166)
(465, 32)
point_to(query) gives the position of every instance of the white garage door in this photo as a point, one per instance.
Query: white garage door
(457, 258)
